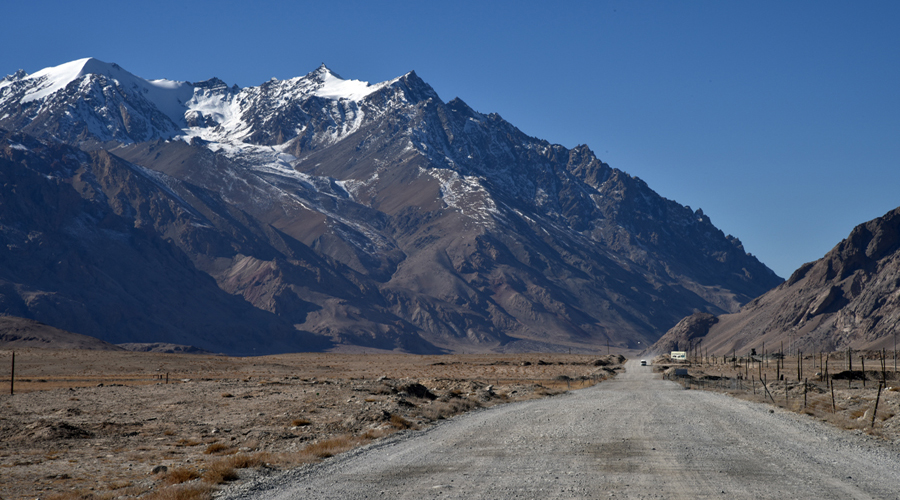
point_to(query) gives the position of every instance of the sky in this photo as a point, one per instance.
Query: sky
(780, 119)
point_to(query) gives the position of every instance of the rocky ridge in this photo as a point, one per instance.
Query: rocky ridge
(847, 299)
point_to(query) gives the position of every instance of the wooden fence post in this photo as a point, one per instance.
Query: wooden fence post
(833, 407)
(805, 381)
(767, 392)
(12, 373)
(877, 398)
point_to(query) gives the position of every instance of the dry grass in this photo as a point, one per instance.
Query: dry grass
(322, 396)
(333, 446)
(220, 472)
(180, 475)
(400, 422)
(219, 448)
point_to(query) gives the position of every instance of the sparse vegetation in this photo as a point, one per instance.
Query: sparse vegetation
(219, 472)
(332, 402)
(400, 422)
(850, 409)
(333, 446)
(217, 448)
(180, 475)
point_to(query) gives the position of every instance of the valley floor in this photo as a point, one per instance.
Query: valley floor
(101, 424)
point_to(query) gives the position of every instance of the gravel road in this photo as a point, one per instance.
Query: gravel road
(633, 437)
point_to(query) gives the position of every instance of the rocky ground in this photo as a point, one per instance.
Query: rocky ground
(634, 437)
(806, 389)
(93, 424)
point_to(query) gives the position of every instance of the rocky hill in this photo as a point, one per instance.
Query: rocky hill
(316, 211)
(848, 298)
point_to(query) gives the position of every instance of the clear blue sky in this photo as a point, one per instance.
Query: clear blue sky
(780, 119)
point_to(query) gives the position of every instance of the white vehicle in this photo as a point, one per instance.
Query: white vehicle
(643, 362)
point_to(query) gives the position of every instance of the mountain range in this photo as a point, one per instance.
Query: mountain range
(319, 212)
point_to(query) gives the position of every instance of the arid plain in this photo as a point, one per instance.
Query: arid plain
(111, 424)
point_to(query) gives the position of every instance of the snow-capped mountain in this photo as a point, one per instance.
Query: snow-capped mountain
(426, 225)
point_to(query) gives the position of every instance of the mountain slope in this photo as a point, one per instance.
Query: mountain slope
(848, 298)
(380, 215)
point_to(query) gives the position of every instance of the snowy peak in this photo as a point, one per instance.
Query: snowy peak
(88, 92)
(140, 109)
(169, 96)
(329, 85)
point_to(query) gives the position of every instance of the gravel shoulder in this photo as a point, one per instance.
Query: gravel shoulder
(633, 437)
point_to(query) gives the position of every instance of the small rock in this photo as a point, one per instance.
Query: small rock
(159, 469)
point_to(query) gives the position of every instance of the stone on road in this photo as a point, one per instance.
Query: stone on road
(633, 437)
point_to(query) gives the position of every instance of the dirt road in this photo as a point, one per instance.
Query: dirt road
(634, 437)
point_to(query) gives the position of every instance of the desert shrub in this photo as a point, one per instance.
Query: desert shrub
(400, 422)
(219, 472)
(180, 475)
(331, 447)
(217, 448)
(371, 434)
(245, 461)
(300, 422)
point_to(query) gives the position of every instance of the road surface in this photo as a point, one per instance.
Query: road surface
(633, 437)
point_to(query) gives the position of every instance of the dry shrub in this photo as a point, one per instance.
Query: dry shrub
(169, 432)
(183, 492)
(300, 422)
(219, 472)
(217, 448)
(180, 475)
(400, 422)
(331, 447)
(439, 411)
(372, 434)
(245, 461)
(187, 442)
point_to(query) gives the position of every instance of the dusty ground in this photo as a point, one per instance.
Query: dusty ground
(634, 437)
(93, 424)
(855, 390)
